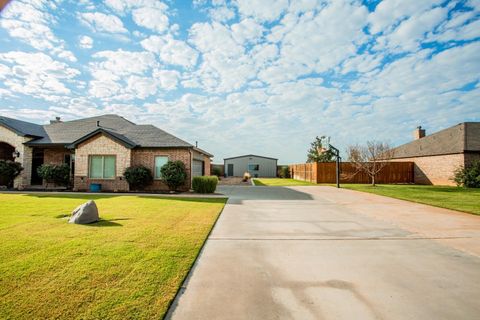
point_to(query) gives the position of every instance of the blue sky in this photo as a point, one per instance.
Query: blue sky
(258, 76)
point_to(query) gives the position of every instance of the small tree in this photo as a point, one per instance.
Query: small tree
(174, 174)
(217, 172)
(316, 152)
(371, 158)
(56, 174)
(284, 172)
(469, 176)
(138, 177)
(9, 170)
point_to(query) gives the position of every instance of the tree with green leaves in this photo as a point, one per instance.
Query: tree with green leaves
(174, 174)
(317, 152)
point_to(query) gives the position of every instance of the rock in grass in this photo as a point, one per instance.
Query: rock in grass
(85, 213)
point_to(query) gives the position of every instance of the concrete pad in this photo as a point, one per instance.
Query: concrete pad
(322, 253)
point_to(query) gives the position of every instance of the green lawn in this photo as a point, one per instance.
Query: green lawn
(128, 266)
(279, 182)
(467, 200)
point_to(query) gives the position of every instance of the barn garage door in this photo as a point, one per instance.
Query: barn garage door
(197, 168)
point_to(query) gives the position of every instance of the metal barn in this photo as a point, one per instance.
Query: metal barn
(257, 166)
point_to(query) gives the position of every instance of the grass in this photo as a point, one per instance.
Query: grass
(461, 199)
(280, 182)
(127, 266)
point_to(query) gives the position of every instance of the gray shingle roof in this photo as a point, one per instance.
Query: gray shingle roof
(250, 155)
(457, 139)
(68, 132)
(22, 128)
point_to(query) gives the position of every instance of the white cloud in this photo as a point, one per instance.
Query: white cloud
(86, 42)
(102, 22)
(389, 13)
(171, 51)
(141, 87)
(221, 13)
(30, 22)
(167, 79)
(407, 36)
(120, 62)
(151, 18)
(246, 30)
(262, 10)
(38, 75)
(112, 68)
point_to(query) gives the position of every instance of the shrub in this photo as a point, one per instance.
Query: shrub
(217, 171)
(56, 174)
(246, 176)
(9, 170)
(174, 174)
(284, 172)
(205, 184)
(468, 177)
(138, 177)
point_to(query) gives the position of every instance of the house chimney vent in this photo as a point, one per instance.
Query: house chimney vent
(418, 133)
(57, 120)
(196, 144)
(98, 123)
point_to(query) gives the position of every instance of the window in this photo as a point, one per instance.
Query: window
(102, 167)
(159, 163)
(253, 167)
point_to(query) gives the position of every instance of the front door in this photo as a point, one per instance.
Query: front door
(37, 161)
(230, 170)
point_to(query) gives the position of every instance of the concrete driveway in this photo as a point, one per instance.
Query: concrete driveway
(323, 253)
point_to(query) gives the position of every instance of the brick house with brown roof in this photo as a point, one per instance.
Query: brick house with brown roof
(98, 150)
(436, 156)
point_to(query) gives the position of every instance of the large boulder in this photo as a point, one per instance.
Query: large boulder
(85, 213)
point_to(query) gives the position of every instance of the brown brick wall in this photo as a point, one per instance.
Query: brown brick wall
(54, 156)
(101, 145)
(207, 166)
(436, 170)
(146, 157)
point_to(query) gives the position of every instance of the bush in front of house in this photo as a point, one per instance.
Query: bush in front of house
(9, 170)
(205, 184)
(138, 177)
(56, 174)
(174, 174)
(217, 172)
(469, 176)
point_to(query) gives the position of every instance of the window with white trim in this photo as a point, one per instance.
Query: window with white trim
(101, 167)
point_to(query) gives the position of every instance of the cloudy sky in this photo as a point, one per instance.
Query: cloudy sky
(247, 76)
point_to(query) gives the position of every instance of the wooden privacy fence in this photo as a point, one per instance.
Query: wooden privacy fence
(324, 172)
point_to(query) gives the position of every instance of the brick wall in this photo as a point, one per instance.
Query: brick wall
(436, 170)
(101, 145)
(146, 157)
(55, 155)
(10, 137)
(207, 166)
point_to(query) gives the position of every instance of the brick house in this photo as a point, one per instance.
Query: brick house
(436, 156)
(97, 149)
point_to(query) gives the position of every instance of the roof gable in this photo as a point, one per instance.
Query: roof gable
(112, 135)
